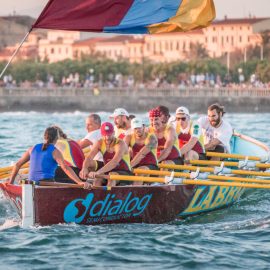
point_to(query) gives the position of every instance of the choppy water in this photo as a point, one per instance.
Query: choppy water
(237, 237)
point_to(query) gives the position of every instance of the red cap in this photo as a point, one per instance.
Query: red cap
(106, 129)
(154, 113)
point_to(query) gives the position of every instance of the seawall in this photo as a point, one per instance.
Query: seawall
(134, 100)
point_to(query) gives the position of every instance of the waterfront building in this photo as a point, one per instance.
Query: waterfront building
(220, 38)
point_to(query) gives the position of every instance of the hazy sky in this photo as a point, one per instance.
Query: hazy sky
(231, 8)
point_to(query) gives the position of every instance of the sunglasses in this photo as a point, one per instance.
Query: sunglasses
(181, 118)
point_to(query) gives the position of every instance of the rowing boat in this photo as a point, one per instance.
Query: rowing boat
(67, 203)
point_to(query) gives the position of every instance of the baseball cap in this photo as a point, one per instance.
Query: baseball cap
(106, 129)
(136, 123)
(119, 111)
(183, 110)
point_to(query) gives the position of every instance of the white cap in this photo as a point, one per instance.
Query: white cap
(182, 110)
(119, 111)
(136, 123)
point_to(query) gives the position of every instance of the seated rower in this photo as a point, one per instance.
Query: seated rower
(121, 120)
(44, 158)
(92, 125)
(115, 155)
(165, 113)
(143, 147)
(168, 146)
(217, 132)
(189, 135)
(72, 154)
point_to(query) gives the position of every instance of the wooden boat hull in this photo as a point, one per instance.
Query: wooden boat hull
(128, 204)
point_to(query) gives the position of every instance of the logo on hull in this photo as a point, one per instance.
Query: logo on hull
(108, 209)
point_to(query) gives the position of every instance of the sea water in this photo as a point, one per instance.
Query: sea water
(237, 237)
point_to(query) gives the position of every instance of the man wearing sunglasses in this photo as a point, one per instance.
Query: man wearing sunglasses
(189, 135)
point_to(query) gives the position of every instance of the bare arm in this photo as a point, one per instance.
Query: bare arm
(84, 143)
(189, 145)
(85, 169)
(120, 150)
(127, 140)
(171, 137)
(212, 144)
(25, 158)
(60, 160)
(151, 143)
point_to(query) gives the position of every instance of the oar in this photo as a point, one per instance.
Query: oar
(237, 156)
(9, 168)
(203, 176)
(212, 170)
(7, 174)
(240, 164)
(185, 181)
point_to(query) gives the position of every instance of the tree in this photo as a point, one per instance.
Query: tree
(197, 51)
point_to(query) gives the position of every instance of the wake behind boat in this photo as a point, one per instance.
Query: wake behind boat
(68, 203)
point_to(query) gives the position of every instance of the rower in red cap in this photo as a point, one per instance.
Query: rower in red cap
(168, 146)
(115, 155)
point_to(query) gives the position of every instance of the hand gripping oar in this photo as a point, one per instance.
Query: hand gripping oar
(262, 159)
(203, 176)
(215, 170)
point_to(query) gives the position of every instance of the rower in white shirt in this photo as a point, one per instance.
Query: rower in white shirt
(92, 125)
(217, 132)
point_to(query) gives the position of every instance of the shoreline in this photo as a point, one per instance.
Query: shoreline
(197, 100)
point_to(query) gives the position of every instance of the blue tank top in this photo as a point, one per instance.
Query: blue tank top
(42, 163)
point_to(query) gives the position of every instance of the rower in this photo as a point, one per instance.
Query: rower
(165, 113)
(92, 125)
(143, 147)
(217, 132)
(72, 154)
(44, 158)
(115, 155)
(121, 120)
(168, 146)
(189, 135)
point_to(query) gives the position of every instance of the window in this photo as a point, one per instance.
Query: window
(206, 39)
(240, 39)
(52, 50)
(232, 41)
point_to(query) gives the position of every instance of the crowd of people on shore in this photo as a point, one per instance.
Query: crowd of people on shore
(119, 81)
(125, 145)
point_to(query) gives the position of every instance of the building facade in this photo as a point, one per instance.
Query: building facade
(221, 37)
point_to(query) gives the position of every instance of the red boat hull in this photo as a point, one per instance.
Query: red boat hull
(127, 204)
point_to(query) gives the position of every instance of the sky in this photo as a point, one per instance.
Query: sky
(231, 8)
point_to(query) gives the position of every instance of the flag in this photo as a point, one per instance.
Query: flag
(126, 16)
